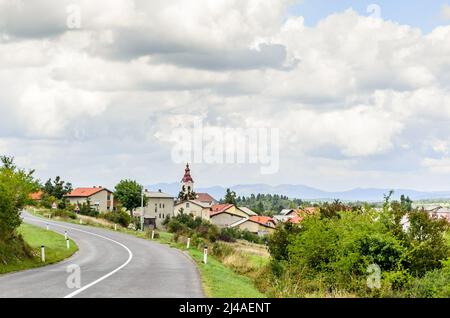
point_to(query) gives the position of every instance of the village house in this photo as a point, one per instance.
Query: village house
(36, 196)
(193, 207)
(101, 199)
(159, 206)
(224, 215)
(260, 225)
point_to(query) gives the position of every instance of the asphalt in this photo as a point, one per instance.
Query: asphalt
(112, 265)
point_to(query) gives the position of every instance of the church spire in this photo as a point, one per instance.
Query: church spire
(187, 175)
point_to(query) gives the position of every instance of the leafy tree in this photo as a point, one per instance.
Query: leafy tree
(57, 188)
(15, 188)
(230, 197)
(129, 193)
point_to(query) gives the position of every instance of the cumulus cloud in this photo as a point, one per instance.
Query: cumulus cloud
(346, 94)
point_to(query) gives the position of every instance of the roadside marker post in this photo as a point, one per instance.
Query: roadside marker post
(188, 243)
(153, 234)
(47, 227)
(81, 221)
(68, 243)
(65, 235)
(115, 227)
(43, 253)
(205, 255)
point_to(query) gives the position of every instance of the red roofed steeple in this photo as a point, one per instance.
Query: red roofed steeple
(187, 174)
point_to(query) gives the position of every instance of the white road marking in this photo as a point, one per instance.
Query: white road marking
(78, 291)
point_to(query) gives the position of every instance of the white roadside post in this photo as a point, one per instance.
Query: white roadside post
(65, 235)
(153, 234)
(43, 253)
(68, 243)
(205, 255)
(188, 243)
(47, 227)
(115, 227)
(81, 221)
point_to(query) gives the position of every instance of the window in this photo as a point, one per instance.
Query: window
(187, 204)
(160, 215)
(164, 206)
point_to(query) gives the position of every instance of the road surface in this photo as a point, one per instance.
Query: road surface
(111, 265)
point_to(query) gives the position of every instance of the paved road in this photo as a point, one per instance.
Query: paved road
(112, 265)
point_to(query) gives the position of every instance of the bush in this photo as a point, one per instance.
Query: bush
(252, 237)
(64, 214)
(229, 234)
(435, 284)
(119, 217)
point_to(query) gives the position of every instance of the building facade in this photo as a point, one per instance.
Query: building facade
(101, 199)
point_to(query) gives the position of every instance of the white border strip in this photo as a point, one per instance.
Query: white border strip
(78, 291)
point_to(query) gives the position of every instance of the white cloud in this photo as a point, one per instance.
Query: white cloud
(346, 90)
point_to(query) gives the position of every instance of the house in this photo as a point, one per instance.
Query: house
(101, 199)
(36, 196)
(294, 215)
(159, 206)
(247, 211)
(223, 215)
(206, 198)
(260, 225)
(193, 207)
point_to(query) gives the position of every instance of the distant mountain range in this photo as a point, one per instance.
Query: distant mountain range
(305, 192)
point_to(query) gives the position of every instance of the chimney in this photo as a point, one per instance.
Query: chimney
(159, 190)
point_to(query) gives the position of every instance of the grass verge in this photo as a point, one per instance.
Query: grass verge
(220, 281)
(55, 249)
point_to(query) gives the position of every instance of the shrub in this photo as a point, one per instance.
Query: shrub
(435, 284)
(229, 234)
(64, 214)
(120, 217)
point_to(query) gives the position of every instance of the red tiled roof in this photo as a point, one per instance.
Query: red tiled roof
(205, 197)
(219, 208)
(262, 219)
(36, 195)
(295, 219)
(85, 192)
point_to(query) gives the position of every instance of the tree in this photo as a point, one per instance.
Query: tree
(57, 188)
(15, 188)
(129, 193)
(230, 197)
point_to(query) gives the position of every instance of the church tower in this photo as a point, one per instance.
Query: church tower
(187, 186)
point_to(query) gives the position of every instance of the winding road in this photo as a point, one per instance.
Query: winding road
(112, 265)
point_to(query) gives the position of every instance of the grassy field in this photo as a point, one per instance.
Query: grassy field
(55, 248)
(220, 281)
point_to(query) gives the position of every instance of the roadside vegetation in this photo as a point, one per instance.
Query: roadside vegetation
(15, 187)
(55, 249)
(338, 251)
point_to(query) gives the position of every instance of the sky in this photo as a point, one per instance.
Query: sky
(354, 93)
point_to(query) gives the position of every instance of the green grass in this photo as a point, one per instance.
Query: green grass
(220, 281)
(55, 248)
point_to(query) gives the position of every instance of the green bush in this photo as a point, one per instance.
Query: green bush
(435, 284)
(64, 214)
(118, 217)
